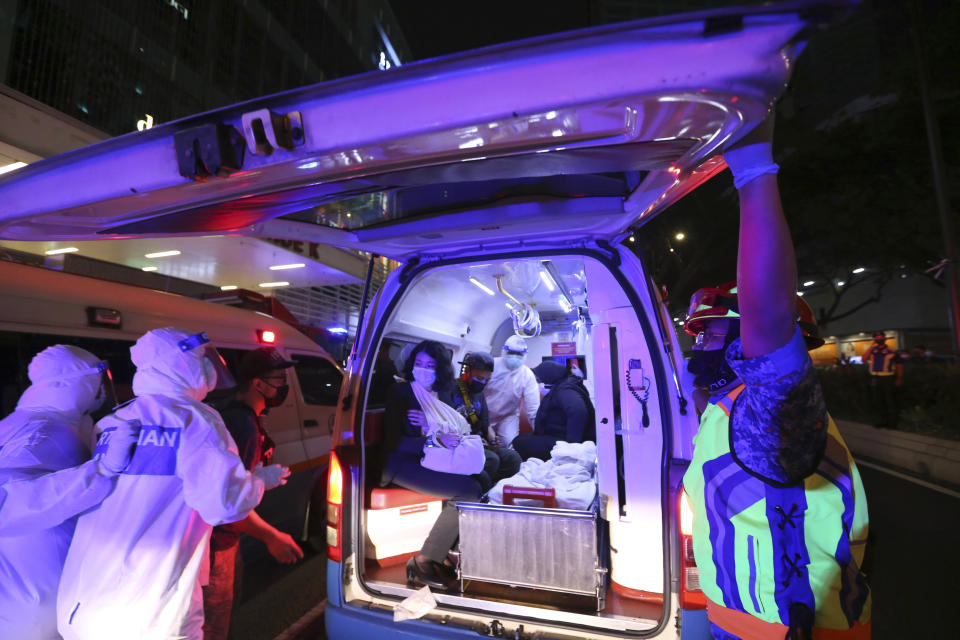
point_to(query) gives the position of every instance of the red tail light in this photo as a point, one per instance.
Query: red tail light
(334, 509)
(266, 336)
(691, 597)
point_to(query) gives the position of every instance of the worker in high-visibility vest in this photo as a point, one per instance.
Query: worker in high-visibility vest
(886, 377)
(779, 512)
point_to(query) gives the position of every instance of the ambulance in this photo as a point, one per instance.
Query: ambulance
(506, 181)
(43, 307)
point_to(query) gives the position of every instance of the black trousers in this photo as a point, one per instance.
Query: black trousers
(885, 400)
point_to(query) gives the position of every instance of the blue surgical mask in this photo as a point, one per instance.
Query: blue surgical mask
(424, 376)
(513, 361)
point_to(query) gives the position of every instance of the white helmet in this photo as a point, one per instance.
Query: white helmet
(515, 343)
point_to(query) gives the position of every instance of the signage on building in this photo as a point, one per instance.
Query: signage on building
(300, 247)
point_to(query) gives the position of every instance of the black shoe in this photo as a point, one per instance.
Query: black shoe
(433, 575)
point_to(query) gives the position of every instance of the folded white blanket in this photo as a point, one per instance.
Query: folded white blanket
(570, 472)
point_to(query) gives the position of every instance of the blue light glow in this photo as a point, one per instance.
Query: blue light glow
(340, 330)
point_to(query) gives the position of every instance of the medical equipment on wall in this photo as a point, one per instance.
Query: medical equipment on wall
(639, 386)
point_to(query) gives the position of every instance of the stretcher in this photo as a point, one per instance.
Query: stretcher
(537, 547)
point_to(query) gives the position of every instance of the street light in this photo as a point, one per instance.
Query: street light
(680, 235)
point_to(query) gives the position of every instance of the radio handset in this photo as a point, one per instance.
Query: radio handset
(639, 386)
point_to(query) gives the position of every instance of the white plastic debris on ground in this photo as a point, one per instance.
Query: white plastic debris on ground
(416, 606)
(570, 472)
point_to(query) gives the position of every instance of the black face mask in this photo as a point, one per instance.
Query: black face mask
(710, 370)
(476, 386)
(281, 395)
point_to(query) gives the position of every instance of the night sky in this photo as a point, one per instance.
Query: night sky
(437, 27)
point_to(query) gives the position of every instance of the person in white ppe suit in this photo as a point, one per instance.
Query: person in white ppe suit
(512, 388)
(46, 479)
(132, 569)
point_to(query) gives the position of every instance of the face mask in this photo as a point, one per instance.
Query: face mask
(512, 361)
(476, 385)
(281, 394)
(879, 340)
(710, 370)
(424, 376)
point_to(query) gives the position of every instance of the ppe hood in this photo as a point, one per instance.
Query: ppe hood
(571, 137)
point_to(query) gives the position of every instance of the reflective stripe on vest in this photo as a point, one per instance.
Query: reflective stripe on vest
(744, 625)
(760, 548)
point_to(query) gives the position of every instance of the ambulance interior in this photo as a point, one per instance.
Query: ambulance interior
(558, 303)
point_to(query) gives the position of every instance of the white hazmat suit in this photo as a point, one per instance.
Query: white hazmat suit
(46, 479)
(133, 566)
(510, 391)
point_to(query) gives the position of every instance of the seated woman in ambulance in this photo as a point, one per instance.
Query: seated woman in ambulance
(566, 413)
(430, 381)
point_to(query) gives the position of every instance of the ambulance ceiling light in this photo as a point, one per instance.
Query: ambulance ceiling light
(281, 267)
(228, 287)
(53, 252)
(487, 290)
(13, 166)
(162, 254)
(548, 280)
(270, 285)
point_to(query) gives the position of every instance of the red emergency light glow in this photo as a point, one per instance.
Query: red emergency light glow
(334, 508)
(266, 336)
(686, 515)
(691, 596)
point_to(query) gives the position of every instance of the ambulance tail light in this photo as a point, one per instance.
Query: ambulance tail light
(266, 336)
(334, 509)
(691, 597)
(686, 515)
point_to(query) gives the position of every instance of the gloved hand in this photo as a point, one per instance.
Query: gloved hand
(121, 442)
(752, 155)
(272, 476)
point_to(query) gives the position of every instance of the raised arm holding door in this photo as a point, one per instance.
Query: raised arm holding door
(780, 518)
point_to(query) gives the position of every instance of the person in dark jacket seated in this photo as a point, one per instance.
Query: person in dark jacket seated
(501, 462)
(566, 413)
(429, 373)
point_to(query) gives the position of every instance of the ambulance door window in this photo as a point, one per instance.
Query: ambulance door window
(13, 373)
(319, 379)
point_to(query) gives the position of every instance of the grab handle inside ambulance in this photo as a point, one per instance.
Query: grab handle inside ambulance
(547, 496)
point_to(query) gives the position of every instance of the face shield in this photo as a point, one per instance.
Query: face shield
(214, 365)
(107, 391)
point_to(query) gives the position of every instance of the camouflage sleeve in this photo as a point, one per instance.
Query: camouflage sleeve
(778, 424)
